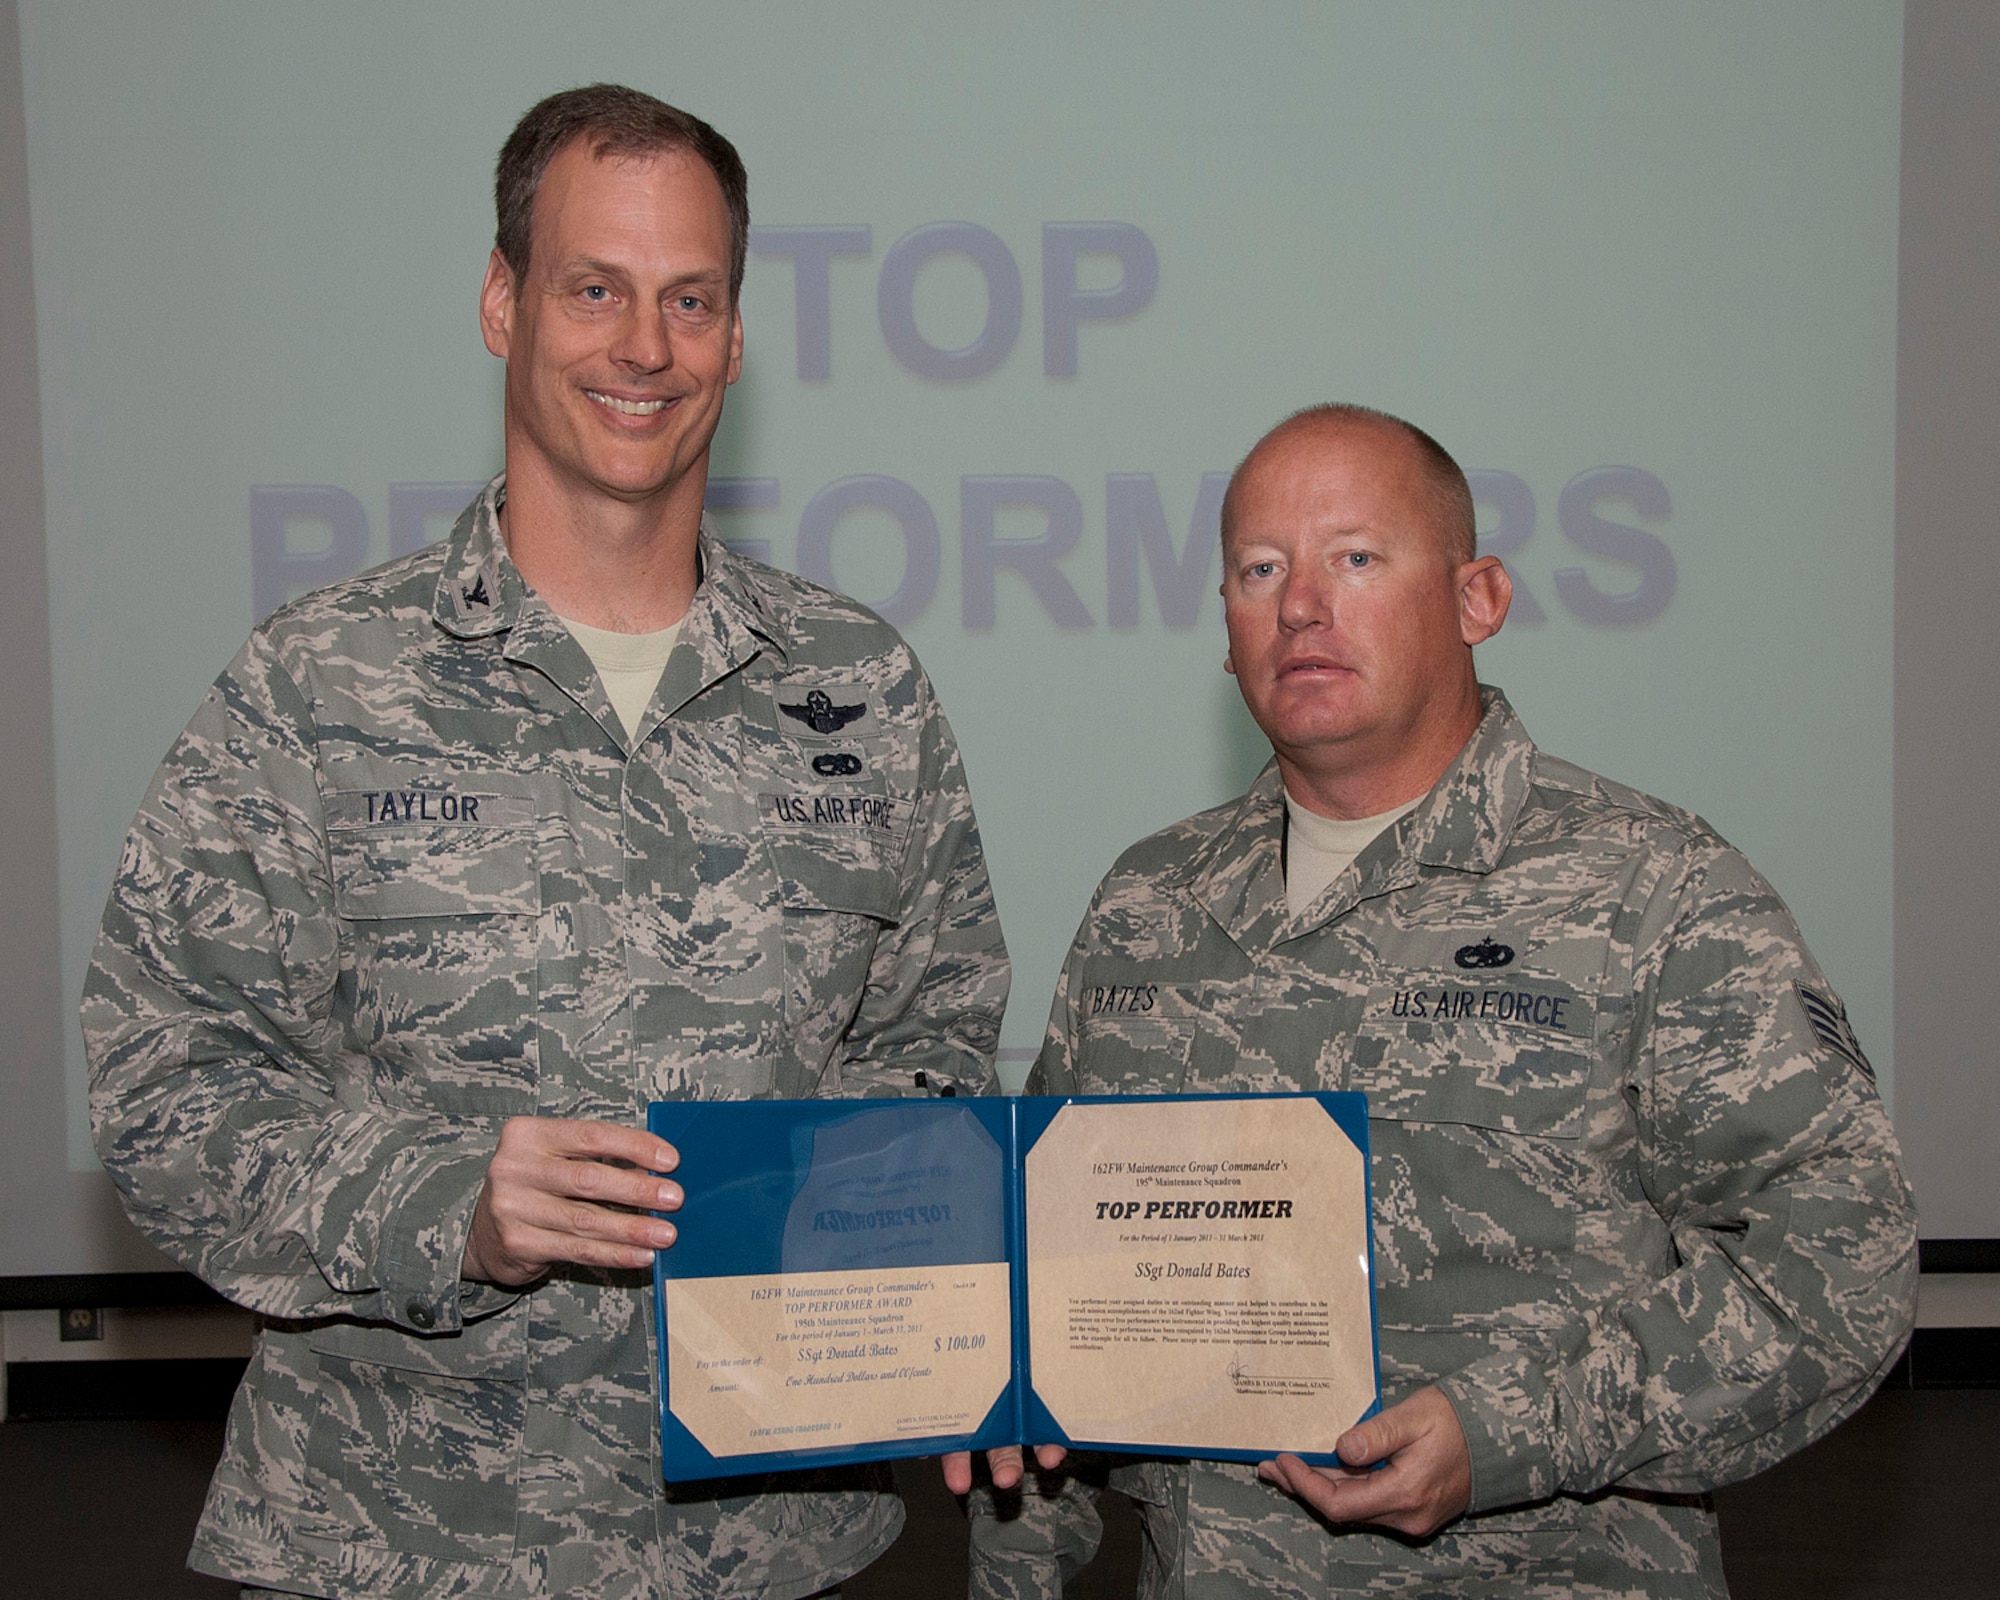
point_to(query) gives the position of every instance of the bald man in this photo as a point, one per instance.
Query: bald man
(1639, 1227)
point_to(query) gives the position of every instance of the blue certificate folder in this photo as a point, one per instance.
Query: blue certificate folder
(853, 1228)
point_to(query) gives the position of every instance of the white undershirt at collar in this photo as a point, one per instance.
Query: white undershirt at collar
(1319, 849)
(629, 664)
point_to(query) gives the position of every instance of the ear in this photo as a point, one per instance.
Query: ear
(735, 344)
(1484, 593)
(496, 305)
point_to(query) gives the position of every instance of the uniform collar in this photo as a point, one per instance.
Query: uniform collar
(737, 612)
(1239, 877)
(1462, 825)
(479, 590)
(1466, 820)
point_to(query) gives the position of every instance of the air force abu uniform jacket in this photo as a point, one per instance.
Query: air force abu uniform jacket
(1637, 1206)
(405, 876)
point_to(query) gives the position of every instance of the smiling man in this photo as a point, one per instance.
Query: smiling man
(465, 860)
(1639, 1228)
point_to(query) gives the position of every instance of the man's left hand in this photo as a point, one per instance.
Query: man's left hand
(1427, 1481)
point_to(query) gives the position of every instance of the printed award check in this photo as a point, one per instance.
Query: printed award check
(863, 1279)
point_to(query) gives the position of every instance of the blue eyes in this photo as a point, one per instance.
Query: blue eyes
(597, 294)
(1351, 561)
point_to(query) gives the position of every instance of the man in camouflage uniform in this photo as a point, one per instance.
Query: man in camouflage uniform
(1639, 1228)
(417, 917)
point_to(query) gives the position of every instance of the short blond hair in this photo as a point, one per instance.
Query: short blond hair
(1453, 518)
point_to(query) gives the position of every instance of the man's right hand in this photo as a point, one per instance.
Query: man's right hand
(1004, 1462)
(561, 1190)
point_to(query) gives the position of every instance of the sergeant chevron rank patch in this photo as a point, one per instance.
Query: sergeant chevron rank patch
(1827, 1018)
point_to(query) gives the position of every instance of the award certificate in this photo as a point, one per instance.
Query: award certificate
(856, 1280)
(1198, 1270)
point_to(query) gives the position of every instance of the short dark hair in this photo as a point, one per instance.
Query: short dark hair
(618, 122)
(1454, 519)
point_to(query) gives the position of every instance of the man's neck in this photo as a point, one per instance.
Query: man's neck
(1350, 783)
(624, 566)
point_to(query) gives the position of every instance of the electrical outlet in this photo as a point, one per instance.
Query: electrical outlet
(81, 1322)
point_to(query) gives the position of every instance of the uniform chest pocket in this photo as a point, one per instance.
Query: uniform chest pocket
(840, 897)
(839, 850)
(1514, 1058)
(441, 927)
(1477, 1098)
(437, 869)
(861, 882)
(1138, 1056)
(1134, 1037)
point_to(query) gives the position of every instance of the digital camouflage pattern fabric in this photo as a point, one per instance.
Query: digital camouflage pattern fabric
(1636, 1212)
(406, 876)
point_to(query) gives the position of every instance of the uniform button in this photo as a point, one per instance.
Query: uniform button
(419, 1314)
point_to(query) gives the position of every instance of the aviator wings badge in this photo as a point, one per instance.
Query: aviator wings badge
(820, 714)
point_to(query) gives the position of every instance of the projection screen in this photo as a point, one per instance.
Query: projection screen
(1024, 285)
